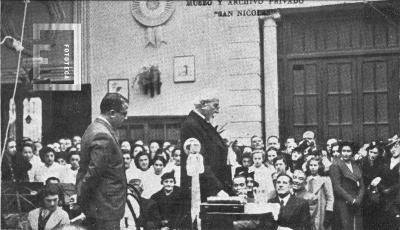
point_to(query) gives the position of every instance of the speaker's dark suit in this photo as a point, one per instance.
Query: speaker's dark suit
(216, 174)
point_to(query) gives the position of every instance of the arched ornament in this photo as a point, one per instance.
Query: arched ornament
(153, 14)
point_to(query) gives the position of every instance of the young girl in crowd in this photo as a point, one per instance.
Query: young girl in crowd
(321, 187)
(262, 174)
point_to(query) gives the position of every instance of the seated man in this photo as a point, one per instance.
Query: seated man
(49, 215)
(169, 202)
(239, 188)
(294, 212)
(139, 211)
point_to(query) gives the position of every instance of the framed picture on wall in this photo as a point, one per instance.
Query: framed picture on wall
(119, 86)
(184, 69)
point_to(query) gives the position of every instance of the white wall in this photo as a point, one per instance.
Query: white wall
(226, 50)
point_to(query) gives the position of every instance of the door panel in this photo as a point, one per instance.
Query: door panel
(305, 79)
(374, 97)
(346, 98)
(339, 96)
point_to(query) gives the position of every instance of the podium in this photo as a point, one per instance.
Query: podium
(220, 220)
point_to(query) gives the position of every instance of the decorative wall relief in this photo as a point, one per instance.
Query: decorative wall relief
(152, 14)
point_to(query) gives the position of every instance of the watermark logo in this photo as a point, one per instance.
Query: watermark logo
(63, 72)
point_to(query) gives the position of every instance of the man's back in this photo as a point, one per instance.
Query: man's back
(101, 179)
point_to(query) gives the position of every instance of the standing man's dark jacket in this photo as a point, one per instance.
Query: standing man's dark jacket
(216, 174)
(101, 179)
(295, 214)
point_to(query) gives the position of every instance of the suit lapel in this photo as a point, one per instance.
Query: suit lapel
(347, 173)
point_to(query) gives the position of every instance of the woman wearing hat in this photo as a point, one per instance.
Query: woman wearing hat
(169, 202)
(348, 188)
(388, 187)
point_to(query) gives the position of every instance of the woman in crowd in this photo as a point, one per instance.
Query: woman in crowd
(348, 187)
(137, 149)
(50, 167)
(126, 146)
(49, 215)
(371, 166)
(142, 163)
(169, 202)
(296, 160)
(389, 187)
(153, 147)
(321, 187)
(272, 153)
(151, 183)
(245, 163)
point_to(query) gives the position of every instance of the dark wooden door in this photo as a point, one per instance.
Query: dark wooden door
(346, 98)
(339, 72)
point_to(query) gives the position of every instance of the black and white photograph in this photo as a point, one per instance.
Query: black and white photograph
(200, 114)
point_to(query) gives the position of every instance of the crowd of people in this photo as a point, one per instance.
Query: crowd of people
(130, 185)
(345, 187)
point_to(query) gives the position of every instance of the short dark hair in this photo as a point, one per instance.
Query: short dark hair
(278, 158)
(50, 190)
(28, 144)
(10, 140)
(159, 158)
(52, 178)
(112, 101)
(349, 144)
(138, 156)
(44, 151)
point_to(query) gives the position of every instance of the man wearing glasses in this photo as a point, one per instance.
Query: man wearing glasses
(101, 180)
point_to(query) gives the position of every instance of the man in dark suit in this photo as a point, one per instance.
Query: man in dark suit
(294, 212)
(216, 177)
(101, 180)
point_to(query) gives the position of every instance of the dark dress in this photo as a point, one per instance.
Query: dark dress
(389, 187)
(371, 209)
(170, 207)
(18, 169)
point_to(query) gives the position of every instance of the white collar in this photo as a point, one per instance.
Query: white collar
(285, 199)
(201, 115)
